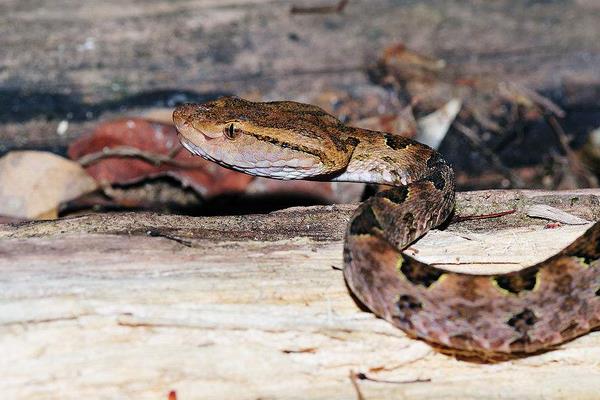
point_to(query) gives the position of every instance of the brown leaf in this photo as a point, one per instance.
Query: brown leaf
(33, 184)
(156, 138)
(409, 65)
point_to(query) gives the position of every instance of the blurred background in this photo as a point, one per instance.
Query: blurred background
(507, 90)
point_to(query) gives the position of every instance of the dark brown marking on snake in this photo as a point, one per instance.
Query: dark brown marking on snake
(587, 247)
(420, 274)
(518, 281)
(523, 321)
(397, 195)
(343, 144)
(347, 256)
(597, 292)
(438, 180)
(468, 289)
(269, 139)
(408, 305)
(563, 284)
(396, 142)
(408, 220)
(435, 160)
(588, 256)
(388, 160)
(460, 339)
(568, 304)
(449, 197)
(353, 142)
(364, 222)
(570, 330)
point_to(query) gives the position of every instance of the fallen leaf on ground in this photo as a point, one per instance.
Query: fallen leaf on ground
(554, 214)
(157, 139)
(33, 184)
(433, 127)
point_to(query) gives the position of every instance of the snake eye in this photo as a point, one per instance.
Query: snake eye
(231, 132)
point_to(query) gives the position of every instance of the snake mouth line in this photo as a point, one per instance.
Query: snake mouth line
(185, 127)
(265, 171)
(186, 130)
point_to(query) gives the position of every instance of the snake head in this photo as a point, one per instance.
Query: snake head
(283, 140)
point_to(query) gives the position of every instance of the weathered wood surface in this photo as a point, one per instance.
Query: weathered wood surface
(101, 306)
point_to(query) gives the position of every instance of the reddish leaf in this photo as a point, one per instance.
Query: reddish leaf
(203, 176)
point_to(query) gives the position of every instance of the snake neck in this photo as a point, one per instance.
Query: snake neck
(388, 159)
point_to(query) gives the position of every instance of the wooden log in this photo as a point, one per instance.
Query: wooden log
(135, 305)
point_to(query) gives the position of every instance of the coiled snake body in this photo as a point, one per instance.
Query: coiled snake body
(519, 312)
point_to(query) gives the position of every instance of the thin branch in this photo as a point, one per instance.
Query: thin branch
(543, 102)
(364, 377)
(476, 142)
(156, 233)
(460, 218)
(575, 165)
(132, 152)
(338, 8)
(476, 263)
(353, 379)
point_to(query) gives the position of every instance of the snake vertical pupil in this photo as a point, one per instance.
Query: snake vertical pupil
(230, 131)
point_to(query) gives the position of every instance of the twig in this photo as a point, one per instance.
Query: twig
(547, 105)
(132, 152)
(575, 165)
(561, 135)
(155, 233)
(353, 379)
(543, 102)
(460, 218)
(364, 377)
(300, 351)
(338, 8)
(476, 142)
(476, 263)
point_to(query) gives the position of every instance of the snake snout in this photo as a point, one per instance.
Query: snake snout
(191, 120)
(184, 113)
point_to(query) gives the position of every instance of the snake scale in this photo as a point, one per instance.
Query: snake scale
(515, 313)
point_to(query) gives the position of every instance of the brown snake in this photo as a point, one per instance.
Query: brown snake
(504, 314)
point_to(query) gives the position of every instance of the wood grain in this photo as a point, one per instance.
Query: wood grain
(93, 306)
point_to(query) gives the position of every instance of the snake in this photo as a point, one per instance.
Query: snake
(523, 312)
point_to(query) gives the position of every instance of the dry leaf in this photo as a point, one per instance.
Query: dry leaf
(433, 127)
(33, 184)
(554, 214)
(204, 177)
